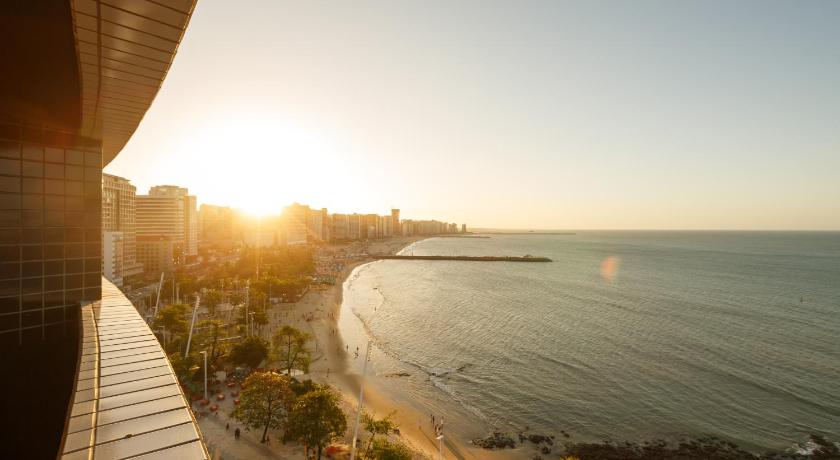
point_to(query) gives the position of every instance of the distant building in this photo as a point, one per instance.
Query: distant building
(340, 227)
(463, 228)
(296, 221)
(169, 211)
(113, 256)
(156, 253)
(395, 222)
(216, 225)
(119, 215)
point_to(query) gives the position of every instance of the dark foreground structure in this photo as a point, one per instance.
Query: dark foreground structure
(83, 375)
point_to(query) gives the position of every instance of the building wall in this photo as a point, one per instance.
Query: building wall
(113, 256)
(50, 237)
(119, 215)
(156, 253)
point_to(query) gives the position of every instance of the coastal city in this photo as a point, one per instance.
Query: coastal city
(235, 298)
(410, 230)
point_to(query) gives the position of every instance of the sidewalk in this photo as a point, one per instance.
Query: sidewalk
(223, 446)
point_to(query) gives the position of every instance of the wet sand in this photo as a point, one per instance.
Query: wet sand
(331, 364)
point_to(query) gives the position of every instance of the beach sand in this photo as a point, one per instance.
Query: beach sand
(331, 364)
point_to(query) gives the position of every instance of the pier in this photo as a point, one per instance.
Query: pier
(469, 258)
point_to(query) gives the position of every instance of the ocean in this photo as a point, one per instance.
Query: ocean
(624, 336)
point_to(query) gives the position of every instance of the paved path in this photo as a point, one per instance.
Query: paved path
(223, 445)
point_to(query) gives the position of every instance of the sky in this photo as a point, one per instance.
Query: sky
(529, 115)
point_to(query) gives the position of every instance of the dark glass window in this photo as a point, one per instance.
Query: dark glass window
(73, 266)
(33, 186)
(33, 152)
(9, 201)
(74, 157)
(32, 169)
(73, 188)
(54, 218)
(9, 167)
(9, 149)
(73, 282)
(33, 269)
(54, 155)
(56, 187)
(54, 251)
(74, 251)
(32, 253)
(9, 184)
(54, 171)
(74, 172)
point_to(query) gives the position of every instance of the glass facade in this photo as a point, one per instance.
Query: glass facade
(50, 232)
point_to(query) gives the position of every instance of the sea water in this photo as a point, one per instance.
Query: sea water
(624, 336)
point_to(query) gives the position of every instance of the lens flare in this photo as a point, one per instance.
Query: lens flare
(609, 268)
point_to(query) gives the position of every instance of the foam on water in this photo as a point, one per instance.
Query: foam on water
(725, 334)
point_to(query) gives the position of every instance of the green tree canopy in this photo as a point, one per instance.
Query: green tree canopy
(375, 427)
(384, 450)
(211, 299)
(264, 401)
(316, 419)
(209, 334)
(289, 345)
(251, 352)
(172, 318)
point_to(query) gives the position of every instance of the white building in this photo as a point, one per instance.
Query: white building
(113, 256)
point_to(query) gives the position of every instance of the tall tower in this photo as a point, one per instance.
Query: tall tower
(395, 222)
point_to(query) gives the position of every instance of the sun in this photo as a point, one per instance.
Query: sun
(260, 165)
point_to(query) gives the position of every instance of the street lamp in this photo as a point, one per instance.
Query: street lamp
(205, 375)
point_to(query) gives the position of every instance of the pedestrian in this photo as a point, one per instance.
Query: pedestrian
(227, 426)
(236, 433)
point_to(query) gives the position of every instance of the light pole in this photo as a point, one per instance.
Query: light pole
(205, 376)
(361, 399)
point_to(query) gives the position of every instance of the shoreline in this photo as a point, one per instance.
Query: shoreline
(331, 360)
(332, 364)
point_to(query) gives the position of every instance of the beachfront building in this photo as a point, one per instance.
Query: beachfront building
(119, 216)
(216, 225)
(169, 211)
(78, 76)
(395, 222)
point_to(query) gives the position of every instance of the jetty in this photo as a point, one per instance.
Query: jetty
(468, 258)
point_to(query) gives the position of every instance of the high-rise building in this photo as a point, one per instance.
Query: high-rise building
(78, 76)
(295, 221)
(119, 215)
(395, 222)
(113, 256)
(157, 253)
(340, 223)
(169, 211)
(217, 225)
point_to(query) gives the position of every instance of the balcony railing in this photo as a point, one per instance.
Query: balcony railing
(127, 401)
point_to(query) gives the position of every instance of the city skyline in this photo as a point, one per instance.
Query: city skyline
(557, 116)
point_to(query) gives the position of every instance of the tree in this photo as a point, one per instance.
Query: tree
(316, 419)
(251, 352)
(289, 345)
(375, 427)
(211, 299)
(384, 450)
(171, 319)
(212, 330)
(264, 401)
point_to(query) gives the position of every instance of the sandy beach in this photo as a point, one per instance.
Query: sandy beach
(317, 313)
